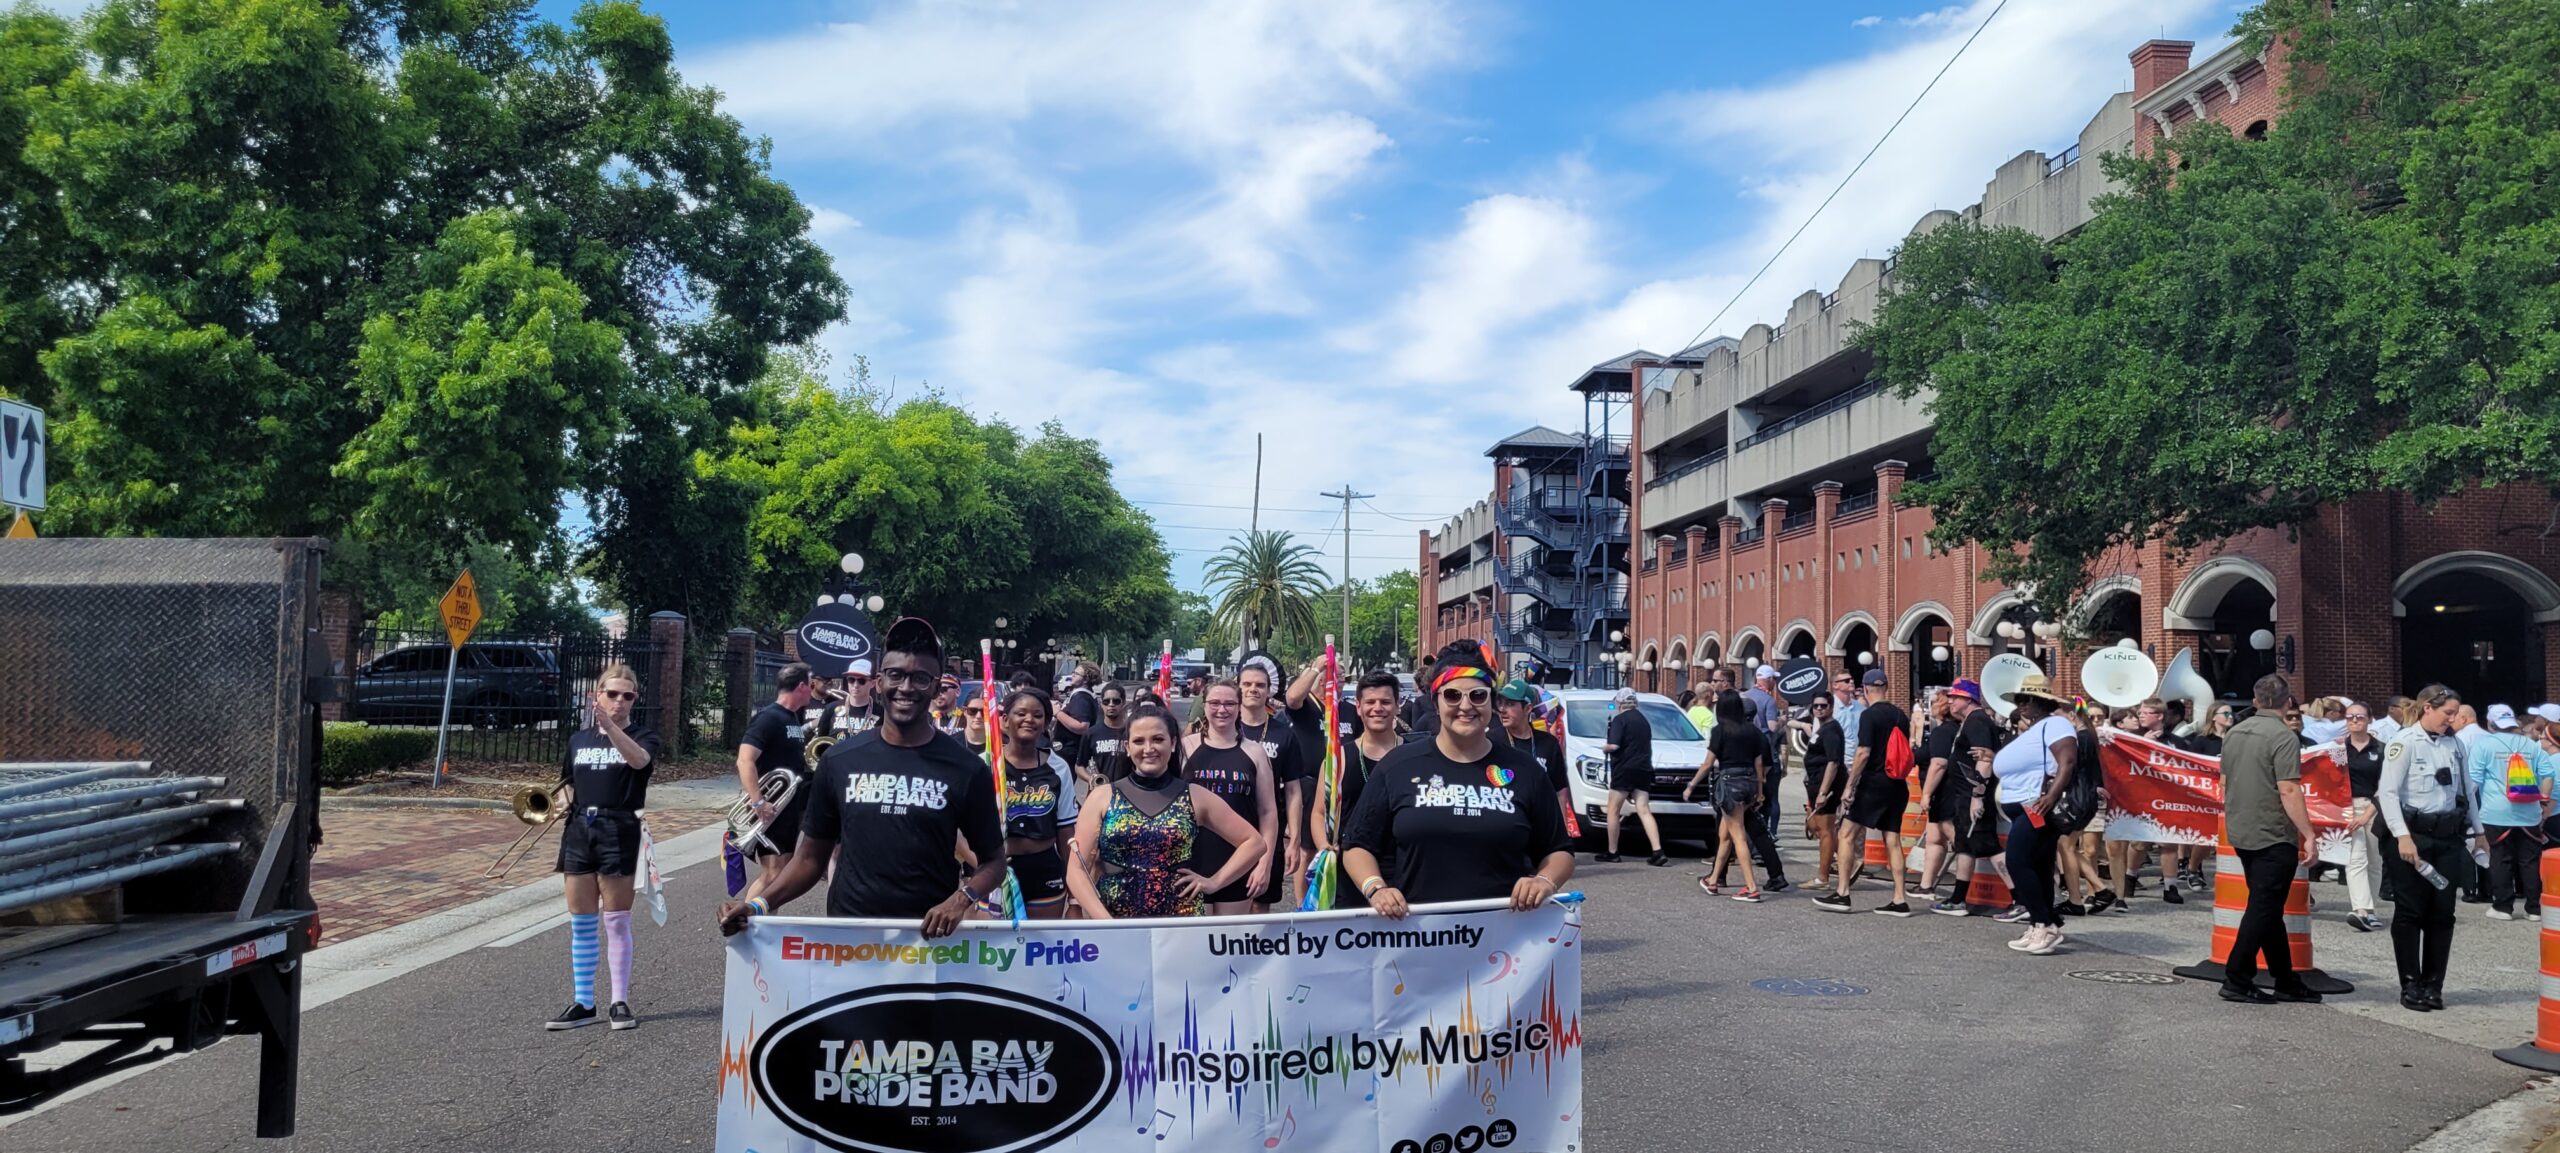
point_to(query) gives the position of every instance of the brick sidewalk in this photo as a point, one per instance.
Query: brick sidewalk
(383, 867)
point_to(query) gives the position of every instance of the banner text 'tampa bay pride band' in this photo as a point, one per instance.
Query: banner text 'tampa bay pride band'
(2157, 793)
(1454, 1030)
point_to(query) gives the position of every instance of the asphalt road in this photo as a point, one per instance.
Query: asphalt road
(1931, 1036)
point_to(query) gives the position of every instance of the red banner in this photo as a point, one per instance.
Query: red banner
(2158, 793)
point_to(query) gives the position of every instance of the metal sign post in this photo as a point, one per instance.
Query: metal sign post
(21, 465)
(461, 611)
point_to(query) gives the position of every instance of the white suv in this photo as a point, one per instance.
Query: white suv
(1678, 749)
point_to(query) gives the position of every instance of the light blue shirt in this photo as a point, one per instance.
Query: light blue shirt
(2487, 763)
(1848, 715)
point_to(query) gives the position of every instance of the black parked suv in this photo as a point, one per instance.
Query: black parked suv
(498, 684)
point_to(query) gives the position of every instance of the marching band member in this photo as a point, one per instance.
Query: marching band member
(1133, 845)
(1040, 796)
(777, 737)
(887, 806)
(1457, 816)
(607, 770)
(1228, 763)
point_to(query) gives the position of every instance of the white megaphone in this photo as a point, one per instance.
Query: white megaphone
(2119, 678)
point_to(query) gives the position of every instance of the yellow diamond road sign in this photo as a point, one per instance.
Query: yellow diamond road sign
(461, 609)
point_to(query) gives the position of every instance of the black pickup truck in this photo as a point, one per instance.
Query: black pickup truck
(158, 724)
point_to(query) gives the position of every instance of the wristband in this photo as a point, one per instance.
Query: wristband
(758, 904)
(1372, 885)
(971, 897)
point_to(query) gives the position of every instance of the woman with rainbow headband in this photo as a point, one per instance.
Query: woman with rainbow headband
(1458, 817)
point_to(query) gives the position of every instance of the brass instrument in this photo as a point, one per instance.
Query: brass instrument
(818, 746)
(538, 808)
(773, 788)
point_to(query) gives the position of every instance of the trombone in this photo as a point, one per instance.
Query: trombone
(539, 808)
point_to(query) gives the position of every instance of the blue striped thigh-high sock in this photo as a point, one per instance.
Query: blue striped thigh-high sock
(582, 958)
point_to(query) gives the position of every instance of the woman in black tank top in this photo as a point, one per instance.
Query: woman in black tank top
(1219, 759)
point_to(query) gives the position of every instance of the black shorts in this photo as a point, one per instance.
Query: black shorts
(1630, 780)
(784, 832)
(1825, 803)
(1737, 789)
(1953, 801)
(1042, 876)
(1880, 802)
(605, 842)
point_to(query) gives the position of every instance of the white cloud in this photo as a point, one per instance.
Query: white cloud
(1866, 22)
(2032, 81)
(1514, 260)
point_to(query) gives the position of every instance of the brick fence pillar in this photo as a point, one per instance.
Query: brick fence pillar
(742, 687)
(340, 613)
(666, 677)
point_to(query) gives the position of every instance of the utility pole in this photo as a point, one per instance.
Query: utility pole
(1346, 496)
(1256, 522)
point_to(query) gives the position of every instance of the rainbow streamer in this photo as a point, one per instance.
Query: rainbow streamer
(1006, 901)
(1164, 675)
(1321, 887)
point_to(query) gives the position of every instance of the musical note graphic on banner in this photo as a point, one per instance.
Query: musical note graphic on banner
(1064, 988)
(763, 993)
(1157, 1122)
(1372, 1095)
(1230, 986)
(1142, 994)
(1504, 964)
(1288, 1129)
(1488, 1099)
(1300, 997)
(1399, 971)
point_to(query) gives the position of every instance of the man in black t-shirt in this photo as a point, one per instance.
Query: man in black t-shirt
(1076, 714)
(607, 769)
(1873, 802)
(1102, 741)
(905, 794)
(1629, 746)
(777, 738)
(1959, 795)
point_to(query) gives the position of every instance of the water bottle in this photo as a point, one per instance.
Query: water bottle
(2439, 880)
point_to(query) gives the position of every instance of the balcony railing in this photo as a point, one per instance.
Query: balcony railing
(2069, 157)
(1792, 422)
(1854, 504)
(1749, 536)
(1684, 469)
(1801, 518)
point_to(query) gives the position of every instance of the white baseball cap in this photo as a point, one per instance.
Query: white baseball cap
(861, 667)
(2501, 717)
(1766, 673)
(2547, 711)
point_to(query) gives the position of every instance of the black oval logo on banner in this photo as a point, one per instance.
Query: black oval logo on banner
(1801, 680)
(935, 1069)
(834, 636)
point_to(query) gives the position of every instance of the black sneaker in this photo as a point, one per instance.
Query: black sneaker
(2070, 909)
(1658, 860)
(2171, 894)
(1777, 885)
(575, 1016)
(620, 1015)
(1895, 909)
(1606, 858)
(2105, 900)
(1833, 903)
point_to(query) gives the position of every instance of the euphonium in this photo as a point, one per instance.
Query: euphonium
(773, 788)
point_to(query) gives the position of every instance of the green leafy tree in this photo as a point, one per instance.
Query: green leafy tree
(958, 521)
(1266, 586)
(2363, 300)
(1382, 619)
(412, 273)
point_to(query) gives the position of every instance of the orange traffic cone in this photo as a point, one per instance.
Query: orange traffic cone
(2231, 900)
(2543, 1052)
(1989, 889)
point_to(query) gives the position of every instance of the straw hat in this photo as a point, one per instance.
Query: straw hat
(2039, 687)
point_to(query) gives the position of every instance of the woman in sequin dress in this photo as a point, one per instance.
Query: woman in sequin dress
(1133, 837)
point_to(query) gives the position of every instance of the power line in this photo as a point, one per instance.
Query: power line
(1414, 519)
(1844, 181)
(1425, 517)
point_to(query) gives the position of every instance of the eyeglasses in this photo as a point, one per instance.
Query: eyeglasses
(860, 680)
(1454, 696)
(619, 695)
(1822, 706)
(1223, 704)
(1111, 702)
(916, 679)
(2354, 717)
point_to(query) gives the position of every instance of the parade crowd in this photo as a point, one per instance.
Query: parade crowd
(1100, 803)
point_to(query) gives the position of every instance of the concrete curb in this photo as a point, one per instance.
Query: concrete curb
(2517, 1124)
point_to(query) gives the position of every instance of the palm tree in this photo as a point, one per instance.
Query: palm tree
(1265, 584)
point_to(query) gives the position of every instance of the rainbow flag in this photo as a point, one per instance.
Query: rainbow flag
(1006, 901)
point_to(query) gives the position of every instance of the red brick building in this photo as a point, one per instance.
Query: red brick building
(1764, 474)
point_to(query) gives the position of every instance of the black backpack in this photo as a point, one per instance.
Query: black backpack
(2078, 804)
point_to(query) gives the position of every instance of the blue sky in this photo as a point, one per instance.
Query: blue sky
(1381, 233)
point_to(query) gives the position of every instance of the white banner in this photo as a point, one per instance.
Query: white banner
(1455, 1030)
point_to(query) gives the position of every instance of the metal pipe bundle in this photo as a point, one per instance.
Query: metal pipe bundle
(42, 805)
(139, 830)
(177, 857)
(48, 776)
(80, 858)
